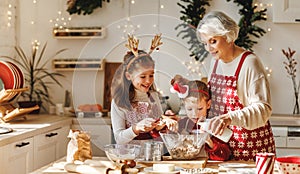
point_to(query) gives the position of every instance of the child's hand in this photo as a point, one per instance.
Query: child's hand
(145, 125)
(209, 142)
(171, 124)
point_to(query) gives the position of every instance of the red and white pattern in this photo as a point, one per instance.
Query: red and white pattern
(141, 110)
(265, 163)
(244, 143)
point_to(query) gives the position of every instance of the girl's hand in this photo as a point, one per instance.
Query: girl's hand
(145, 125)
(218, 123)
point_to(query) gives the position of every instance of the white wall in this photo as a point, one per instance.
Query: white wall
(87, 87)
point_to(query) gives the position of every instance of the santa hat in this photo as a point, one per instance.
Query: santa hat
(181, 90)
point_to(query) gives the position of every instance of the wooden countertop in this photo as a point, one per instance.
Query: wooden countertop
(57, 168)
(33, 125)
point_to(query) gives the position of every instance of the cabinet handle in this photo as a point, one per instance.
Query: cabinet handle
(22, 144)
(51, 134)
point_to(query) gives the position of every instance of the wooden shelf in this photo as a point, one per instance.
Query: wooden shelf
(79, 33)
(78, 64)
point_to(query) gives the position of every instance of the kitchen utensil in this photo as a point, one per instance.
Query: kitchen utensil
(182, 146)
(288, 164)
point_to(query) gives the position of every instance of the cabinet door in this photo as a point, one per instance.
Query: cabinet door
(100, 136)
(1, 159)
(18, 157)
(50, 146)
(286, 11)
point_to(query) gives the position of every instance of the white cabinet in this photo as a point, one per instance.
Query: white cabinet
(50, 146)
(286, 11)
(100, 136)
(287, 140)
(1, 159)
(18, 157)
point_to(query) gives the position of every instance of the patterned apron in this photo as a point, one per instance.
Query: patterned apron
(142, 110)
(244, 143)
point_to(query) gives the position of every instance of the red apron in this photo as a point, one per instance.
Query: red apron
(244, 143)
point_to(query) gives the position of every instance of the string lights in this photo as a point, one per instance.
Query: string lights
(261, 6)
(9, 15)
(128, 27)
(60, 21)
(195, 67)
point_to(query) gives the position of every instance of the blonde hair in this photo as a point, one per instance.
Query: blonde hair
(216, 23)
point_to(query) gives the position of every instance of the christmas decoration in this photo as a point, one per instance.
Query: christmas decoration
(290, 67)
(85, 6)
(250, 14)
(193, 11)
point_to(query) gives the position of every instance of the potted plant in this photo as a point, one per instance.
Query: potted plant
(37, 76)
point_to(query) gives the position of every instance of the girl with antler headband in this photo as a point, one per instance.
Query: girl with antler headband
(135, 108)
(197, 101)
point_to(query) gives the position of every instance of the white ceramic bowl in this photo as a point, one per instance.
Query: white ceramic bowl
(288, 164)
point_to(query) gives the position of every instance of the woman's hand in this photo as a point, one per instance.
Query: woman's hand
(145, 125)
(218, 123)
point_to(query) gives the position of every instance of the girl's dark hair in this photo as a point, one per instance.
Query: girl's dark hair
(122, 90)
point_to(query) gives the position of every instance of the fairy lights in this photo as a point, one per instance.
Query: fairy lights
(194, 67)
(60, 21)
(9, 15)
(128, 27)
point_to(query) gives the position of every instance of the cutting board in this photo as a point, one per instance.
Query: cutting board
(187, 164)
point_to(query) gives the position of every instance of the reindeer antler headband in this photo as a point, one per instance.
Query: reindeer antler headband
(133, 44)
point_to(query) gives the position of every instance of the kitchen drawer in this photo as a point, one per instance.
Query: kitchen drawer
(280, 141)
(287, 152)
(280, 131)
(293, 142)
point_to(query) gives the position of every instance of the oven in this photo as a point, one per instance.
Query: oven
(287, 140)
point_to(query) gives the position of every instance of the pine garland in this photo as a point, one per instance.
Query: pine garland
(193, 11)
(85, 6)
(247, 23)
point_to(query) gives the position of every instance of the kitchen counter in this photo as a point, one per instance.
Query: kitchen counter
(57, 167)
(285, 120)
(31, 126)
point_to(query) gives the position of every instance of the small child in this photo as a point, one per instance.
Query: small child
(197, 101)
(135, 107)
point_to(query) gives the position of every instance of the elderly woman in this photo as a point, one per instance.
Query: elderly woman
(239, 87)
